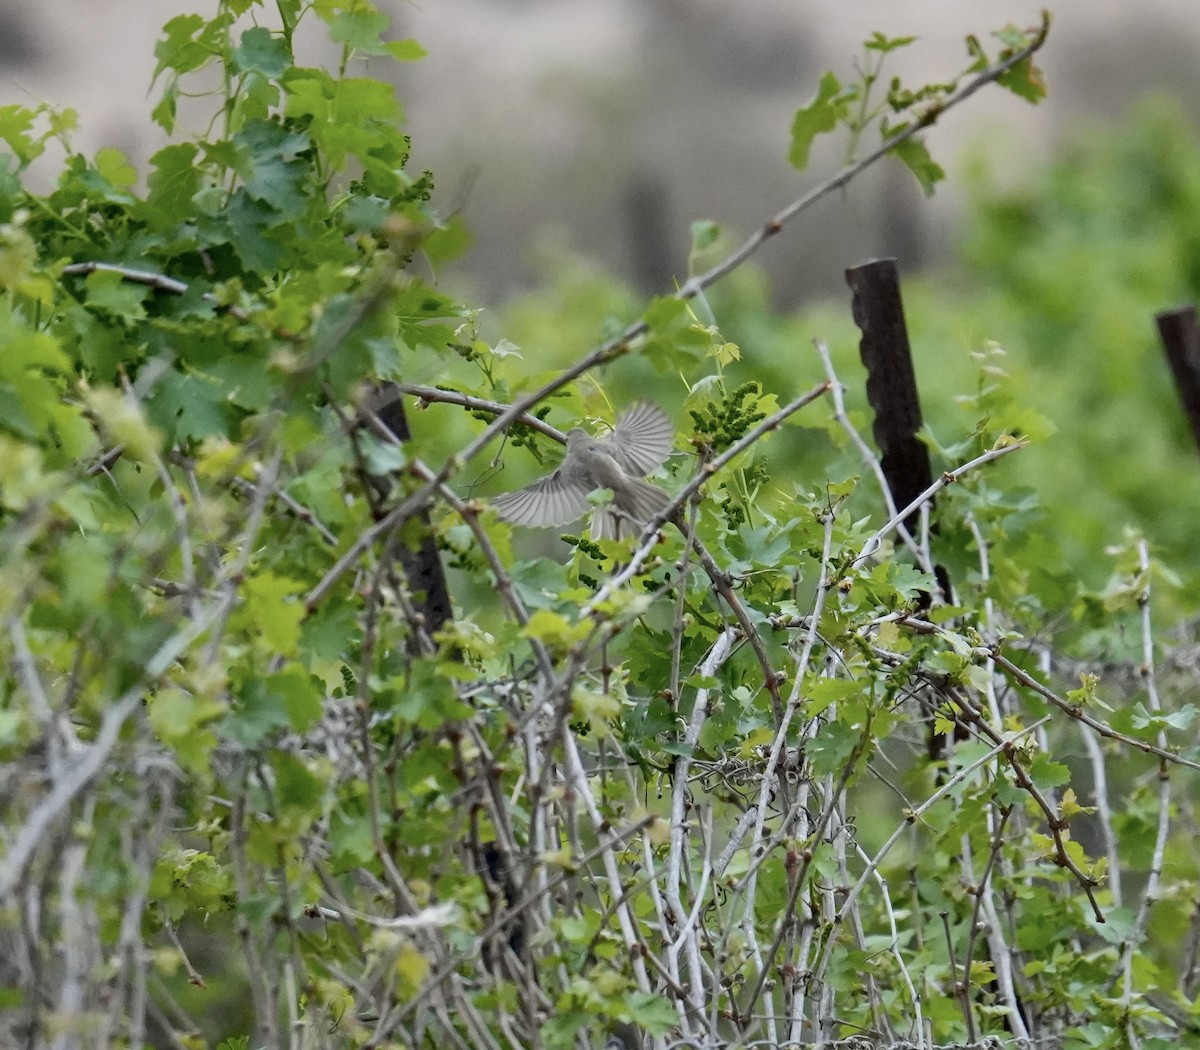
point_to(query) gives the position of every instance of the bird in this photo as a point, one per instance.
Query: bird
(638, 444)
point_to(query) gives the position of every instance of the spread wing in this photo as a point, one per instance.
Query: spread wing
(642, 439)
(549, 501)
(628, 514)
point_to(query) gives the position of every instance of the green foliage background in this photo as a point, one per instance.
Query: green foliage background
(1064, 274)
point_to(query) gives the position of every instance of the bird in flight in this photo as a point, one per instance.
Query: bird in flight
(638, 444)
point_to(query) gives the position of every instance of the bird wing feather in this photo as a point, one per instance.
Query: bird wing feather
(548, 501)
(628, 514)
(640, 442)
(642, 439)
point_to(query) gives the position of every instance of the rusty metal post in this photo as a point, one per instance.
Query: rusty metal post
(1180, 335)
(891, 381)
(421, 562)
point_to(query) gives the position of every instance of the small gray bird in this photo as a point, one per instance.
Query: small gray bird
(641, 440)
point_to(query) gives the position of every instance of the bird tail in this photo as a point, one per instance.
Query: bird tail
(628, 513)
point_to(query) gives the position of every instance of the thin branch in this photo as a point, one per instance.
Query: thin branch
(649, 533)
(624, 343)
(948, 477)
(910, 819)
(979, 891)
(1054, 821)
(842, 417)
(427, 395)
(84, 768)
(1078, 713)
(1154, 876)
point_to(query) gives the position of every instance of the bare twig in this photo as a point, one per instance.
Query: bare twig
(624, 343)
(1078, 713)
(948, 477)
(1162, 829)
(80, 772)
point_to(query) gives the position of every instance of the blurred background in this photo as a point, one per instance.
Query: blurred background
(607, 126)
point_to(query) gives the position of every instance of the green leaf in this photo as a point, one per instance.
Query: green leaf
(448, 242)
(327, 634)
(259, 710)
(165, 112)
(652, 1012)
(593, 705)
(555, 630)
(190, 405)
(301, 694)
(352, 117)
(18, 265)
(360, 29)
(705, 233)
(26, 350)
(268, 163)
(261, 51)
(884, 44)
(115, 168)
(185, 879)
(913, 153)
(188, 44)
(110, 292)
(1025, 81)
(826, 691)
(366, 212)
(10, 187)
(427, 699)
(1046, 773)
(831, 748)
(819, 116)
(172, 184)
(90, 179)
(351, 839)
(181, 720)
(405, 50)
(979, 57)
(271, 611)
(1142, 718)
(15, 124)
(756, 548)
(675, 340)
(382, 457)
(247, 225)
(300, 789)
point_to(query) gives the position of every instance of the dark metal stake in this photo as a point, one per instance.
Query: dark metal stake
(1180, 335)
(891, 381)
(421, 563)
